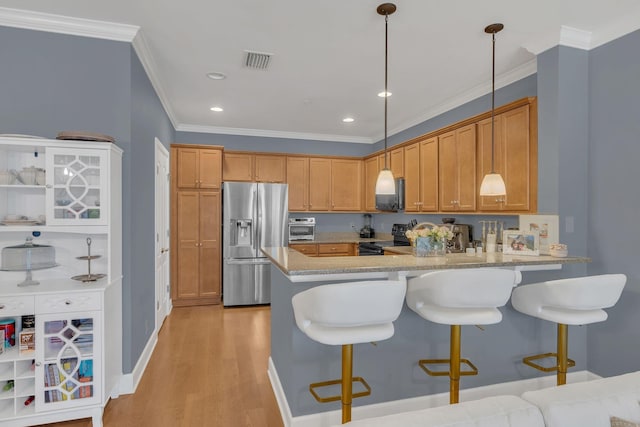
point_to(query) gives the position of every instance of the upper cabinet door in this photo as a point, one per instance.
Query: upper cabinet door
(457, 169)
(210, 169)
(371, 170)
(429, 175)
(237, 167)
(319, 184)
(346, 184)
(270, 168)
(298, 181)
(514, 160)
(187, 161)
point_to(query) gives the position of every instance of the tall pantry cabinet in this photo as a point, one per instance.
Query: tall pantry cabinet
(196, 178)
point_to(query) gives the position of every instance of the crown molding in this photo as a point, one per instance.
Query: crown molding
(141, 48)
(273, 134)
(575, 37)
(502, 80)
(67, 25)
(615, 30)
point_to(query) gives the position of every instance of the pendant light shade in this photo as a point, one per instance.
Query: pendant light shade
(493, 184)
(385, 184)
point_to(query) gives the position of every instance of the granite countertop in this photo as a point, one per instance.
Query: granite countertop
(296, 265)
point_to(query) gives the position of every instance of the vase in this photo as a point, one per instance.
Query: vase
(429, 246)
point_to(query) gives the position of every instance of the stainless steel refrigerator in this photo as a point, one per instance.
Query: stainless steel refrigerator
(254, 215)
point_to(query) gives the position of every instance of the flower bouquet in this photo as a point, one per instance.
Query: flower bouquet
(428, 239)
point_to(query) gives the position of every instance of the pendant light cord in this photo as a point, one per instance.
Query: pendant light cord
(386, 92)
(493, 99)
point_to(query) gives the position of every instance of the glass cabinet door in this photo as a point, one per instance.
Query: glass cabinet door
(76, 187)
(68, 361)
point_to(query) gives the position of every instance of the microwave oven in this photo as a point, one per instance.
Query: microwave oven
(302, 229)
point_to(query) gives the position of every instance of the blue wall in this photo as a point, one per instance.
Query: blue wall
(53, 82)
(614, 150)
(588, 146)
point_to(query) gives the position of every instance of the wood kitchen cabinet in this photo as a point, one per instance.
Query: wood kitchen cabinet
(457, 169)
(325, 249)
(309, 249)
(421, 176)
(251, 167)
(372, 167)
(515, 159)
(371, 170)
(298, 181)
(195, 230)
(335, 184)
(319, 184)
(198, 167)
(198, 248)
(396, 158)
(346, 184)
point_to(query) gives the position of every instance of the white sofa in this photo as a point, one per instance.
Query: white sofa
(586, 404)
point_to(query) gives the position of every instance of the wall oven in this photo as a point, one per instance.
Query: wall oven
(302, 229)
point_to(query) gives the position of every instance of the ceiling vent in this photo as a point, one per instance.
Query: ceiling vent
(257, 60)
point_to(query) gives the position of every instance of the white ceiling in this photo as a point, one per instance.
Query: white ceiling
(328, 56)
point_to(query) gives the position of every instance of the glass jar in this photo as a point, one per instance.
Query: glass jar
(429, 246)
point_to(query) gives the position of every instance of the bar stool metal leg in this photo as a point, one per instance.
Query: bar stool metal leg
(454, 365)
(563, 361)
(347, 385)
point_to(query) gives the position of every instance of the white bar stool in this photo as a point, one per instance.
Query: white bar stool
(575, 301)
(460, 297)
(346, 314)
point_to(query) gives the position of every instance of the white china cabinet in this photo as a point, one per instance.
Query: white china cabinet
(66, 191)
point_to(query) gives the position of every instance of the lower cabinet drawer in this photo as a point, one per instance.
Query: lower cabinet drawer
(61, 303)
(16, 306)
(335, 249)
(309, 249)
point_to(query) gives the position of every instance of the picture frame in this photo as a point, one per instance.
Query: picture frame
(547, 227)
(520, 242)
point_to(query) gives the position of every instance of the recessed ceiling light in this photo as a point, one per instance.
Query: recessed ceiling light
(216, 76)
(216, 109)
(384, 94)
(348, 120)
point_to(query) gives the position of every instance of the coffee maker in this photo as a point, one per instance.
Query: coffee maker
(462, 236)
(366, 232)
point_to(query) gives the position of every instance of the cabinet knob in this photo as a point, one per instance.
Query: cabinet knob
(500, 200)
(1, 306)
(38, 363)
(68, 302)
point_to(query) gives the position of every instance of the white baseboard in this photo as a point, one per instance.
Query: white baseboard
(129, 382)
(331, 418)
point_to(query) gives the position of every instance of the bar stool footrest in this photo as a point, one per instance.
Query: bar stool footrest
(530, 362)
(335, 398)
(425, 362)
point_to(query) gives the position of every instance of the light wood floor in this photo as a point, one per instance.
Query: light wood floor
(209, 368)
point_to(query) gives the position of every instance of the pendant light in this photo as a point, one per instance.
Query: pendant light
(493, 184)
(385, 184)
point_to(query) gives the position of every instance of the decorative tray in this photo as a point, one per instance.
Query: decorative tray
(19, 222)
(84, 136)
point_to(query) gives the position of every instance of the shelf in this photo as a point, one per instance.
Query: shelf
(11, 354)
(23, 187)
(75, 228)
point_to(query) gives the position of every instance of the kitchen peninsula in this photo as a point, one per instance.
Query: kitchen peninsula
(390, 366)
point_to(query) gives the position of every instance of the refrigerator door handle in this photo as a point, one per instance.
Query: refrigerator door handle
(259, 202)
